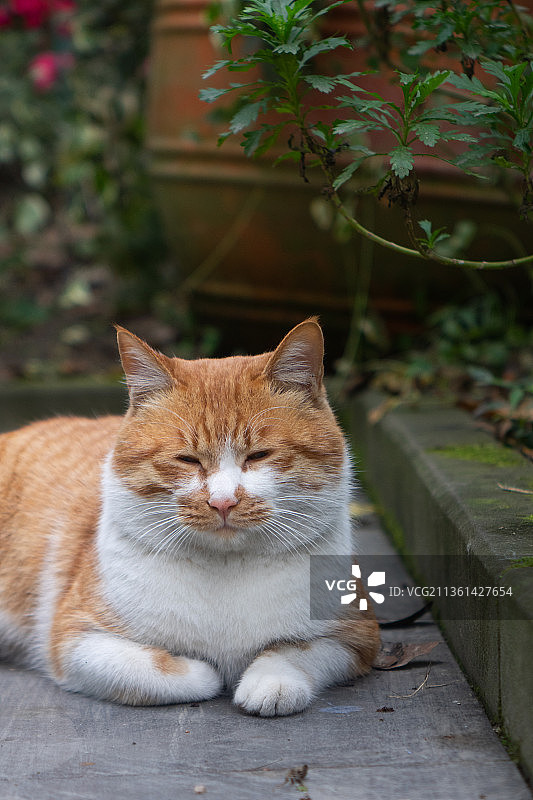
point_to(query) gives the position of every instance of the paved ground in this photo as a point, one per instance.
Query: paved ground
(437, 744)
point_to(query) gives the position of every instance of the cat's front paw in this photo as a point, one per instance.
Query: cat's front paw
(266, 690)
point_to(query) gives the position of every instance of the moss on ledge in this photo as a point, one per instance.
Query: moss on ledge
(495, 454)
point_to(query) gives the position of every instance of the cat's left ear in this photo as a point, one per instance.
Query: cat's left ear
(297, 363)
(145, 369)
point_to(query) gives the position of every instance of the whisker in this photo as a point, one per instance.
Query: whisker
(191, 429)
(269, 529)
(172, 427)
(265, 411)
(312, 518)
(254, 428)
(298, 535)
(316, 501)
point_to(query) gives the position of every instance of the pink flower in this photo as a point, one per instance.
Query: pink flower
(62, 6)
(46, 67)
(5, 17)
(34, 12)
(44, 71)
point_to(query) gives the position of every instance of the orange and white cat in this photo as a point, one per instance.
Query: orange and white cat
(156, 557)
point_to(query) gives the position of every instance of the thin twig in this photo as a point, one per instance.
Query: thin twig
(514, 489)
(405, 696)
(438, 685)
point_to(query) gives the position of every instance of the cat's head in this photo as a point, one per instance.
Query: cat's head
(239, 452)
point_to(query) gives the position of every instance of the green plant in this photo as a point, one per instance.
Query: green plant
(482, 334)
(418, 118)
(477, 354)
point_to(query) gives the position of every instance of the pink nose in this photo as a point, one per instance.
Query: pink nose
(223, 505)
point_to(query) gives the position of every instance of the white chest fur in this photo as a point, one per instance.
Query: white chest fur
(223, 608)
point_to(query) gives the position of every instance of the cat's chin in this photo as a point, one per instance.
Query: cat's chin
(229, 540)
(250, 542)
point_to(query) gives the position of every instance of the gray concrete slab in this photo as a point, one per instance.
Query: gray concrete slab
(436, 744)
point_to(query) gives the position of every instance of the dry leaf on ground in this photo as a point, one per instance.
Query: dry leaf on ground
(396, 654)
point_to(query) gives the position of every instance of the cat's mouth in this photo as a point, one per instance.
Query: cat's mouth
(227, 530)
(245, 517)
(231, 527)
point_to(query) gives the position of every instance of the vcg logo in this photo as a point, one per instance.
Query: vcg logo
(350, 586)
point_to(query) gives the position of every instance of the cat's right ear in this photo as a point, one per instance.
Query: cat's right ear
(297, 363)
(145, 369)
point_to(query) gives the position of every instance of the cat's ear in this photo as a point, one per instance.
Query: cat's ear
(145, 369)
(297, 363)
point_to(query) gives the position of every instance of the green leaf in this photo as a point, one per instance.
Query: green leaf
(432, 237)
(401, 159)
(360, 148)
(323, 83)
(251, 141)
(471, 111)
(288, 47)
(244, 66)
(457, 136)
(426, 226)
(421, 47)
(496, 68)
(501, 161)
(325, 132)
(375, 109)
(523, 139)
(215, 68)
(324, 46)
(406, 79)
(355, 125)
(245, 116)
(428, 134)
(222, 138)
(292, 155)
(284, 108)
(271, 139)
(474, 86)
(347, 173)
(211, 94)
(428, 85)
(440, 236)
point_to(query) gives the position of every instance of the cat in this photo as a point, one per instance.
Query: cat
(157, 557)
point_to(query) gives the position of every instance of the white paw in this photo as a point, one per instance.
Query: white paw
(266, 691)
(202, 681)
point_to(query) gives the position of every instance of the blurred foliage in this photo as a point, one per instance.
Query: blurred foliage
(483, 333)
(71, 133)
(479, 354)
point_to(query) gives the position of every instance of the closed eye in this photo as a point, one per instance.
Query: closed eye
(258, 455)
(188, 459)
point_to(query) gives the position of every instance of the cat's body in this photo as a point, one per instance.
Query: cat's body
(156, 557)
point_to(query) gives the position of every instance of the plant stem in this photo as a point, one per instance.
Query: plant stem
(360, 306)
(430, 255)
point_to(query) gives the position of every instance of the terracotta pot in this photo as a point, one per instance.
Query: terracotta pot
(253, 242)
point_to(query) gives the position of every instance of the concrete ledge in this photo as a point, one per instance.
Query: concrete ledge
(435, 477)
(22, 403)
